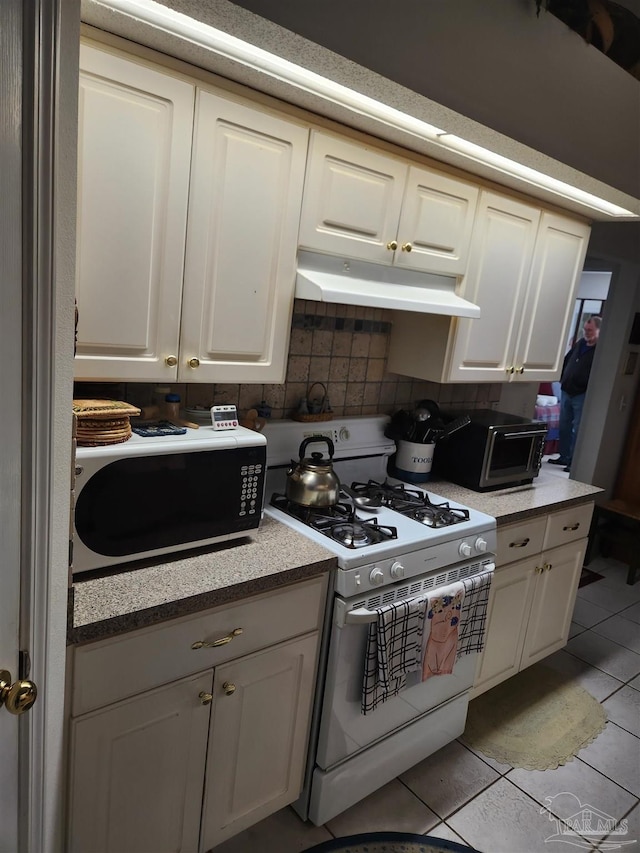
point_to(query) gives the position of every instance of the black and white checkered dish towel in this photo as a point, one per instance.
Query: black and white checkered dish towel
(394, 645)
(474, 614)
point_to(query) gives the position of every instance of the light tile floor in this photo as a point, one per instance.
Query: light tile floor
(462, 796)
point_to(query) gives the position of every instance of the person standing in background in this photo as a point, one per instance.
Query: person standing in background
(576, 370)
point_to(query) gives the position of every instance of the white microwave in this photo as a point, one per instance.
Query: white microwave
(152, 496)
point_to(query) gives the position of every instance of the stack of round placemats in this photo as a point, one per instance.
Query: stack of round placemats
(101, 422)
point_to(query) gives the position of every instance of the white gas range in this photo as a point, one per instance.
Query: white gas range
(413, 544)
(360, 460)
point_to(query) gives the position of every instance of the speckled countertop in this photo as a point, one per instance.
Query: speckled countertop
(272, 556)
(547, 493)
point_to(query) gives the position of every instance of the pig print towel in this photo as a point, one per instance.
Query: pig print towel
(443, 620)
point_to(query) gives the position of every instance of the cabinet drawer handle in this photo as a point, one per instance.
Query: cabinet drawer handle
(511, 369)
(171, 361)
(572, 526)
(203, 644)
(392, 245)
(520, 370)
(194, 362)
(229, 688)
(548, 567)
(521, 544)
(407, 247)
(539, 570)
(205, 698)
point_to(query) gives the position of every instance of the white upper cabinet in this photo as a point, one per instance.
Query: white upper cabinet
(244, 205)
(436, 223)
(555, 275)
(150, 309)
(364, 204)
(524, 269)
(134, 151)
(499, 269)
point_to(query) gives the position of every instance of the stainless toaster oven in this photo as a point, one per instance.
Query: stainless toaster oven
(496, 450)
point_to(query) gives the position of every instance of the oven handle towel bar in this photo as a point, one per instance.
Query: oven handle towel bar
(362, 616)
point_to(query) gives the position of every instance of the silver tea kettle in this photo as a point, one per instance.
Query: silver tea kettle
(312, 481)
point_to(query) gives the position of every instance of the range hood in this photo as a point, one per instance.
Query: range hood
(325, 278)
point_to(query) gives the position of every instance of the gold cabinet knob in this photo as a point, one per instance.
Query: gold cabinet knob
(520, 370)
(539, 570)
(548, 567)
(171, 361)
(194, 362)
(17, 697)
(205, 698)
(392, 245)
(511, 369)
(229, 688)
(407, 247)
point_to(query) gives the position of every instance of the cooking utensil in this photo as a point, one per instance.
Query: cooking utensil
(311, 481)
(364, 501)
(453, 426)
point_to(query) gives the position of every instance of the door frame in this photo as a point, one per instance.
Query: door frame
(40, 44)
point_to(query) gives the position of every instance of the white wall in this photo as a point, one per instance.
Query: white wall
(610, 395)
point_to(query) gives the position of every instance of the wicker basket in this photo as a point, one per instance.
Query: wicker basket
(325, 413)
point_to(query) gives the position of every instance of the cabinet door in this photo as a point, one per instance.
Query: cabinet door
(246, 191)
(553, 602)
(137, 772)
(258, 740)
(499, 268)
(557, 263)
(436, 223)
(134, 149)
(509, 605)
(352, 200)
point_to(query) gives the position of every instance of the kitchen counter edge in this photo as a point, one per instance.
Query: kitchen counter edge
(547, 493)
(272, 556)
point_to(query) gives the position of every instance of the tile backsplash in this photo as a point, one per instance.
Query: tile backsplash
(340, 348)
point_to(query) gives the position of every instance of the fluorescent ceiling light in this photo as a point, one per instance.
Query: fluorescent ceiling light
(531, 176)
(237, 50)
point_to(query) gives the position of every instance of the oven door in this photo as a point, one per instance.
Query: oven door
(344, 729)
(512, 456)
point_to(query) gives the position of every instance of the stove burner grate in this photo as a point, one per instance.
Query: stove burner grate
(412, 504)
(339, 522)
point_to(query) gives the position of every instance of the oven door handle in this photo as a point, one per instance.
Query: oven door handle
(522, 434)
(360, 616)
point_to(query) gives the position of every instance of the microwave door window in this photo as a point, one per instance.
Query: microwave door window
(145, 503)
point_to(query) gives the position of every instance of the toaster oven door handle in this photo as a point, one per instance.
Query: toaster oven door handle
(523, 434)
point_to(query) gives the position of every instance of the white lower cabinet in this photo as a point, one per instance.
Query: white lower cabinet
(188, 763)
(532, 598)
(137, 772)
(257, 745)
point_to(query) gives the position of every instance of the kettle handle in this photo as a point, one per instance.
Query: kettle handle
(312, 439)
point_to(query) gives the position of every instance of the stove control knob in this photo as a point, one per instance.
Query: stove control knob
(344, 434)
(464, 549)
(481, 544)
(397, 571)
(376, 577)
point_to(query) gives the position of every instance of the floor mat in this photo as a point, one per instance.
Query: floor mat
(536, 720)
